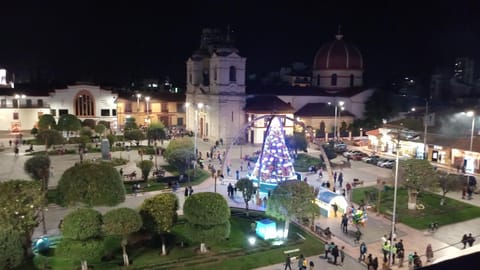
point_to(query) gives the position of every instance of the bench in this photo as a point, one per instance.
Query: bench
(323, 232)
(357, 182)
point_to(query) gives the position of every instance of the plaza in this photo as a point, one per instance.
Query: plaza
(444, 242)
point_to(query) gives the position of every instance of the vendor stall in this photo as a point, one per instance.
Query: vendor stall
(326, 199)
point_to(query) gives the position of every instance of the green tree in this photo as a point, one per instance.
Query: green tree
(82, 232)
(86, 131)
(47, 121)
(100, 129)
(111, 139)
(297, 142)
(416, 175)
(159, 215)
(69, 123)
(106, 124)
(34, 131)
(208, 217)
(21, 202)
(38, 168)
(292, 199)
(12, 254)
(145, 166)
(50, 137)
(156, 131)
(449, 182)
(88, 123)
(94, 184)
(122, 221)
(245, 186)
(130, 124)
(378, 106)
(179, 153)
(134, 135)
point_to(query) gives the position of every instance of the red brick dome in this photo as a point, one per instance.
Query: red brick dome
(338, 54)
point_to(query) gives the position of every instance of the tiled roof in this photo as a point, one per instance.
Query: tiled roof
(267, 104)
(320, 109)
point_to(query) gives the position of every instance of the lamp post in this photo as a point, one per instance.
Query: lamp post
(147, 100)
(471, 114)
(138, 102)
(394, 210)
(425, 129)
(335, 128)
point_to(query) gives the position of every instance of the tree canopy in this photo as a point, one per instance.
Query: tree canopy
(145, 167)
(82, 224)
(69, 122)
(245, 186)
(46, 121)
(82, 231)
(156, 131)
(130, 123)
(179, 153)
(12, 254)
(100, 129)
(122, 221)
(21, 201)
(88, 123)
(292, 199)
(134, 135)
(208, 217)
(94, 184)
(38, 168)
(50, 137)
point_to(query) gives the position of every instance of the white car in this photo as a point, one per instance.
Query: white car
(387, 164)
(351, 152)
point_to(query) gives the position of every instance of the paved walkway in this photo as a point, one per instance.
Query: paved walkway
(444, 241)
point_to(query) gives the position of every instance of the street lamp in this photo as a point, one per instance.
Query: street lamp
(147, 100)
(394, 196)
(471, 114)
(335, 128)
(138, 102)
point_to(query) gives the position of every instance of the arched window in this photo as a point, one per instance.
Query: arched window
(318, 80)
(322, 127)
(206, 77)
(190, 77)
(334, 79)
(84, 104)
(233, 74)
(352, 78)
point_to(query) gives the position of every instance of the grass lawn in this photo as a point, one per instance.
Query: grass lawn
(234, 253)
(452, 212)
(304, 161)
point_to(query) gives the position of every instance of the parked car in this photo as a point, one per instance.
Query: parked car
(358, 156)
(369, 158)
(380, 161)
(387, 164)
(340, 147)
(351, 152)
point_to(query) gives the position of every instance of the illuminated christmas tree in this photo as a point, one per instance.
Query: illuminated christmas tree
(274, 163)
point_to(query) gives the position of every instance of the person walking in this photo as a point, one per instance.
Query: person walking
(288, 261)
(237, 174)
(363, 251)
(400, 256)
(186, 192)
(335, 208)
(190, 191)
(470, 240)
(335, 254)
(301, 259)
(342, 255)
(311, 264)
(429, 253)
(344, 223)
(464, 240)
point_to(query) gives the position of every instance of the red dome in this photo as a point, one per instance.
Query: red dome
(338, 55)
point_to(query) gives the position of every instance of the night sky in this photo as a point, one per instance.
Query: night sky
(113, 43)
